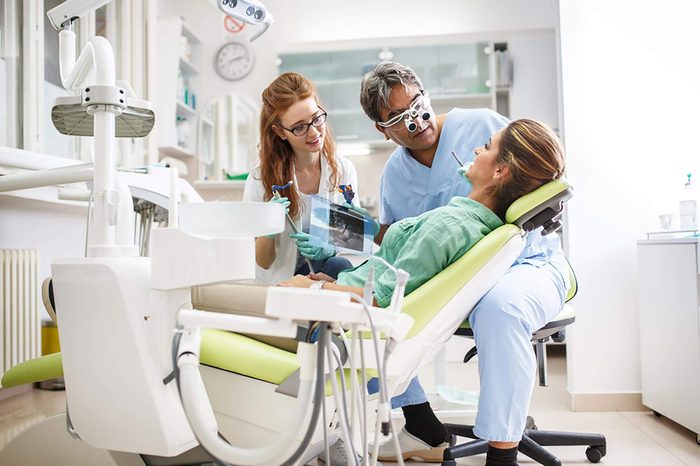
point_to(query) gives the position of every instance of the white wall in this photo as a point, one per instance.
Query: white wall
(56, 230)
(631, 91)
(306, 25)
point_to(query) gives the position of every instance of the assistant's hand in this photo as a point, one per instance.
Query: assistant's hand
(314, 251)
(282, 200)
(298, 281)
(321, 276)
(365, 213)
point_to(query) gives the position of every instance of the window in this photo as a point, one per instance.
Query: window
(11, 72)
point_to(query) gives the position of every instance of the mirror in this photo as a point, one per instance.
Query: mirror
(228, 138)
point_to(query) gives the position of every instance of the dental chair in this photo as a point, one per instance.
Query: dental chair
(248, 381)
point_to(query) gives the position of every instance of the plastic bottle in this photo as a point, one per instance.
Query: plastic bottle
(688, 206)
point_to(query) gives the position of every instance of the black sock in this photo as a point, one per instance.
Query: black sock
(502, 457)
(422, 423)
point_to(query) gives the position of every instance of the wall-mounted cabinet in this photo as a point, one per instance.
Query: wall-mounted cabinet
(455, 75)
(178, 57)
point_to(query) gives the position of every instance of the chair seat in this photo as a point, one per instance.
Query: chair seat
(565, 317)
(220, 349)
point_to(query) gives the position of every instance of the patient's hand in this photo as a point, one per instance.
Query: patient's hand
(298, 281)
(322, 276)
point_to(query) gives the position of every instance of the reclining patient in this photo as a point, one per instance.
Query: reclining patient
(516, 160)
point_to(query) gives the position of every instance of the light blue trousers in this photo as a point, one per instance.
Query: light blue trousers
(523, 300)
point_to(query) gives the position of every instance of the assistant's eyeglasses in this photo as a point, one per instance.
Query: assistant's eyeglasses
(303, 128)
(420, 108)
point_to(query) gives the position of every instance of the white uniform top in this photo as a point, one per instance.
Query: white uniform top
(285, 262)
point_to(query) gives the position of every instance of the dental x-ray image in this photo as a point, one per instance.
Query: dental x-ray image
(345, 229)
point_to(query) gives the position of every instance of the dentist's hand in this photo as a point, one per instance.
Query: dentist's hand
(313, 251)
(365, 213)
(463, 172)
(282, 200)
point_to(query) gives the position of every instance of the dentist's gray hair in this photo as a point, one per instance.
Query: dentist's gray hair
(377, 84)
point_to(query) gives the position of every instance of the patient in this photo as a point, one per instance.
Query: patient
(517, 160)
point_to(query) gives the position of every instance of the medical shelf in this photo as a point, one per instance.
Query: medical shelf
(179, 58)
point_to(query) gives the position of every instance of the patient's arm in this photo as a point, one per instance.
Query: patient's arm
(265, 252)
(302, 281)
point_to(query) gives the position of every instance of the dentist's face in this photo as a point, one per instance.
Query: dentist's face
(485, 168)
(401, 99)
(303, 117)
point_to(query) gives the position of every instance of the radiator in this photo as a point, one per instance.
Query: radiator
(20, 327)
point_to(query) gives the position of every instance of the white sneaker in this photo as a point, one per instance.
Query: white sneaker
(411, 447)
(339, 455)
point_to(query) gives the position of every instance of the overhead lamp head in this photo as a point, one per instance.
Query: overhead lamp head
(249, 11)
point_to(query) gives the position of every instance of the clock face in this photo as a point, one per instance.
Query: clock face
(233, 61)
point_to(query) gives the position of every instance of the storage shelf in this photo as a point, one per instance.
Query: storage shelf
(191, 36)
(187, 67)
(220, 184)
(176, 151)
(185, 110)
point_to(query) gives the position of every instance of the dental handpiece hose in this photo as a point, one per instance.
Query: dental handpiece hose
(276, 195)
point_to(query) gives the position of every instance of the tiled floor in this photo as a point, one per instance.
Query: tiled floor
(634, 438)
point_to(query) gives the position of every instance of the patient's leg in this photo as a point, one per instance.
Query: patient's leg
(240, 299)
(525, 299)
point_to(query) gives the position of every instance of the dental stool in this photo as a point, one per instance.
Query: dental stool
(534, 440)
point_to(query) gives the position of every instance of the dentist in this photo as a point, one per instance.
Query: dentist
(296, 144)
(419, 176)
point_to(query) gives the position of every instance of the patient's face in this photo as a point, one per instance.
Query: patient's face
(484, 169)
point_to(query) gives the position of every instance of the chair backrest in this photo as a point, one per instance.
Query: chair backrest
(440, 305)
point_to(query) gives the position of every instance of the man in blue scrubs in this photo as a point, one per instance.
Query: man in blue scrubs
(419, 176)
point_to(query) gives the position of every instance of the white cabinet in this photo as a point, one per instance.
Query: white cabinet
(176, 107)
(669, 321)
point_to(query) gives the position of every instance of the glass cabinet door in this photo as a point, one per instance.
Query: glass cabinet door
(11, 72)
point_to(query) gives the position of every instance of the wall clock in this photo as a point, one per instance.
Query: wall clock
(233, 60)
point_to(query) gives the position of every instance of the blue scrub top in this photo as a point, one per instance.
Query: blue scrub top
(409, 188)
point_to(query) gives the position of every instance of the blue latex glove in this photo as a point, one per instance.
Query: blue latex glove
(312, 249)
(282, 200)
(365, 213)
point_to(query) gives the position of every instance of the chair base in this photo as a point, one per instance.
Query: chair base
(532, 444)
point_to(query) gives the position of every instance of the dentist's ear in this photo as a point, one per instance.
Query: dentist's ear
(382, 130)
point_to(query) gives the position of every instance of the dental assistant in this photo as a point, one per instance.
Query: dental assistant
(419, 176)
(296, 144)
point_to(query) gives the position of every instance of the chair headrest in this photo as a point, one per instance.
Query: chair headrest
(541, 208)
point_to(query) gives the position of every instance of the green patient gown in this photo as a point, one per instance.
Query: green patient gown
(425, 245)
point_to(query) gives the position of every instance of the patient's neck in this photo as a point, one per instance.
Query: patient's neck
(482, 197)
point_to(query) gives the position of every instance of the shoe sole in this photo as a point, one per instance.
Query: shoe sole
(428, 455)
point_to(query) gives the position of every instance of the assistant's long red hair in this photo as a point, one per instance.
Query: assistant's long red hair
(276, 154)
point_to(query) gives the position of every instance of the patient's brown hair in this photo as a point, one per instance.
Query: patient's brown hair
(534, 156)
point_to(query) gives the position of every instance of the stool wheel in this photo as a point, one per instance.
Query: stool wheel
(595, 453)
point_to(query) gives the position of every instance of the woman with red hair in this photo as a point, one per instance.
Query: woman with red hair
(296, 144)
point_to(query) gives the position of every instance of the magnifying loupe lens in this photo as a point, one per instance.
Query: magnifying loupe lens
(411, 126)
(425, 116)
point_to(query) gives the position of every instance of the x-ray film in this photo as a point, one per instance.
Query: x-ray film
(345, 229)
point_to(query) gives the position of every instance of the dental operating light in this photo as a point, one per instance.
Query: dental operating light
(249, 11)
